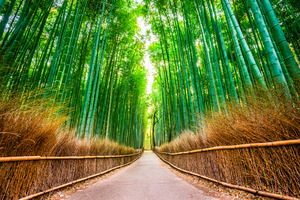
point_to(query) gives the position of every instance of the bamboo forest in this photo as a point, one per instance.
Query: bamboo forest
(114, 78)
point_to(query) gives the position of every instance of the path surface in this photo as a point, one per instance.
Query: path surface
(146, 179)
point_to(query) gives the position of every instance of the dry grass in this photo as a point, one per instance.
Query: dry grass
(272, 169)
(27, 130)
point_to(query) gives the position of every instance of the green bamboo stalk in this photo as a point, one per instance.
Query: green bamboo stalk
(254, 68)
(275, 67)
(282, 43)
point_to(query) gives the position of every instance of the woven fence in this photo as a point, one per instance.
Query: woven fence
(272, 167)
(24, 176)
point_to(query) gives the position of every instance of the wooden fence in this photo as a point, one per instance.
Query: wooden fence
(268, 169)
(27, 177)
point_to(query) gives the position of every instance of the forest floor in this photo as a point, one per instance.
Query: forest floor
(149, 178)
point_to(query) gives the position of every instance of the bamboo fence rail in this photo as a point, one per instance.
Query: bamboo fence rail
(239, 146)
(257, 192)
(33, 158)
(82, 179)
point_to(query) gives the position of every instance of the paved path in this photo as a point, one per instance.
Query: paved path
(146, 179)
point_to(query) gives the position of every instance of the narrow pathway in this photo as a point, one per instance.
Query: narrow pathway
(146, 179)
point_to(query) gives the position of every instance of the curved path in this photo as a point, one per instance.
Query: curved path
(145, 179)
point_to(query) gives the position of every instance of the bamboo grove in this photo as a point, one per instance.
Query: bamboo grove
(212, 53)
(84, 56)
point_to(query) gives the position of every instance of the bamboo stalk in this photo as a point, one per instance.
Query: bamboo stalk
(31, 158)
(79, 180)
(250, 190)
(239, 146)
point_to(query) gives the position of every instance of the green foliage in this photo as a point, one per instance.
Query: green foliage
(213, 53)
(86, 57)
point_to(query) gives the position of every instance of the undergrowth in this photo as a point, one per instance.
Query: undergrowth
(29, 127)
(265, 118)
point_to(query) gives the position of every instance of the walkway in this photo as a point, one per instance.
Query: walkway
(146, 179)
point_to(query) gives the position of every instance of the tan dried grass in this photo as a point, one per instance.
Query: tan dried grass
(28, 128)
(263, 119)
